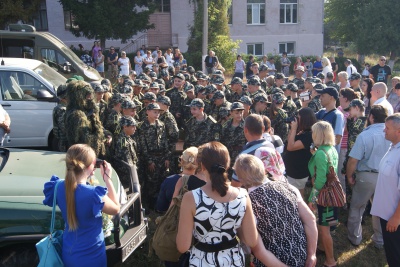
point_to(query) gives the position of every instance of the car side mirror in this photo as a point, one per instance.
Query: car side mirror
(43, 94)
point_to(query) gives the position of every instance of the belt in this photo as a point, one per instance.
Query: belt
(216, 247)
(373, 171)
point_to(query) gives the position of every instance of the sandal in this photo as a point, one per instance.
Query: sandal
(319, 252)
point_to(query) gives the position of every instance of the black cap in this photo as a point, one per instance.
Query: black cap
(331, 91)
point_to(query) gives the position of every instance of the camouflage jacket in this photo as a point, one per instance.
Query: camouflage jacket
(59, 126)
(201, 132)
(125, 149)
(152, 141)
(215, 111)
(315, 104)
(235, 96)
(281, 128)
(186, 109)
(290, 107)
(171, 129)
(297, 102)
(103, 109)
(112, 122)
(177, 101)
(233, 138)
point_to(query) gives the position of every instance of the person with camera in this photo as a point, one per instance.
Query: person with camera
(81, 207)
(298, 153)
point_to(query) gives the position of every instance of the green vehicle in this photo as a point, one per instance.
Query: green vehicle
(24, 220)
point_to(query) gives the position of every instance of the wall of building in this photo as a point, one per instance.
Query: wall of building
(307, 33)
(182, 17)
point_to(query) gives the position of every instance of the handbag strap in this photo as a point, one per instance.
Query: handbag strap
(53, 213)
(329, 158)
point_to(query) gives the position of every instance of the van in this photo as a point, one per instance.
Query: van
(23, 41)
(28, 94)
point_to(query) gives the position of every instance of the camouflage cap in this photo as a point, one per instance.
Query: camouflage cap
(292, 87)
(125, 77)
(319, 87)
(106, 82)
(142, 76)
(191, 70)
(127, 103)
(356, 103)
(152, 74)
(154, 85)
(197, 102)
(246, 100)
(200, 89)
(129, 82)
(138, 83)
(320, 75)
(198, 73)
(283, 87)
(127, 121)
(146, 69)
(218, 80)
(224, 112)
(126, 90)
(202, 76)
(162, 87)
(355, 76)
(160, 81)
(164, 100)
(263, 67)
(187, 76)
(145, 87)
(61, 90)
(254, 80)
(218, 95)
(97, 88)
(261, 98)
(116, 98)
(329, 75)
(279, 76)
(211, 89)
(164, 73)
(183, 69)
(236, 80)
(153, 106)
(188, 87)
(149, 96)
(179, 76)
(312, 80)
(278, 98)
(218, 73)
(106, 88)
(276, 90)
(237, 106)
(133, 73)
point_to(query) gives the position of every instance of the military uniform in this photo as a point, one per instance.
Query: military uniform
(290, 107)
(217, 110)
(177, 103)
(233, 138)
(315, 104)
(154, 148)
(332, 84)
(59, 126)
(278, 120)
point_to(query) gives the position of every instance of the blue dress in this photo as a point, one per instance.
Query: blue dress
(84, 246)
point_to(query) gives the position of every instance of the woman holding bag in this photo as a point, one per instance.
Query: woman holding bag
(81, 206)
(324, 155)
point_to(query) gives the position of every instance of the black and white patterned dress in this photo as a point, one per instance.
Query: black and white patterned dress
(278, 222)
(223, 219)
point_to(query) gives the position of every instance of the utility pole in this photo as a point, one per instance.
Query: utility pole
(205, 33)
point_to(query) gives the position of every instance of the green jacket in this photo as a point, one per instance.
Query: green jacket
(318, 167)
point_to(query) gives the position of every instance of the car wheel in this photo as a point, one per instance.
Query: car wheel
(52, 142)
(19, 255)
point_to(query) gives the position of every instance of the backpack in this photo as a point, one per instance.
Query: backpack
(164, 238)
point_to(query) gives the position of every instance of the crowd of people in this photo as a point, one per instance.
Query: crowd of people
(252, 147)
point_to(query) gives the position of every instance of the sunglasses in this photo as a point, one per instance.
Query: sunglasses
(383, 59)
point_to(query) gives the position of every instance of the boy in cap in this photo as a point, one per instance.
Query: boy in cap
(154, 153)
(177, 96)
(125, 150)
(190, 95)
(289, 106)
(237, 89)
(293, 88)
(247, 102)
(260, 104)
(201, 92)
(137, 93)
(219, 83)
(154, 88)
(329, 80)
(232, 133)
(315, 103)
(101, 104)
(148, 98)
(219, 102)
(202, 79)
(278, 116)
(112, 121)
(200, 128)
(354, 81)
(253, 85)
(128, 108)
(60, 140)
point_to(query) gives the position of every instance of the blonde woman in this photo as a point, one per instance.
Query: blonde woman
(318, 166)
(343, 78)
(326, 66)
(81, 206)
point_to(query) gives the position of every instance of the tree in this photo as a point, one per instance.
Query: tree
(372, 25)
(218, 33)
(109, 19)
(11, 11)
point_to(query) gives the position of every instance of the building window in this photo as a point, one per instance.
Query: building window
(287, 47)
(255, 49)
(288, 12)
(163, 5)
(255, 11)
(40, 20)
(69, 21)
(230, 14)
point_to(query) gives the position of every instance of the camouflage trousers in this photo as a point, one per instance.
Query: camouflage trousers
(151, 181)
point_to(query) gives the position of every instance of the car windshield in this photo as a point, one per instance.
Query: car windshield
(50, 75)
(73, 56)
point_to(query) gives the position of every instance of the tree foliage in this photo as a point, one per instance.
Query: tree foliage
(11, 11)
(218, 33)
(372, 25)
(109, 19)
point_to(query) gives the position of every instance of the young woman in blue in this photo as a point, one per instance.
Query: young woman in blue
(81, 206)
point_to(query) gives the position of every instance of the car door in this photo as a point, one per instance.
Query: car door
(23, 96)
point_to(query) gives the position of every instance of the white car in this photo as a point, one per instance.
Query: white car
(28, 94)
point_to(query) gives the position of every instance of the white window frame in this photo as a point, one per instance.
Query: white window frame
(254, 13)
(286, 48)
(254, 49)
(291, 7)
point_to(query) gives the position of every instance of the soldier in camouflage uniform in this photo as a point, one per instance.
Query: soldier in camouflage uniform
(177, 96)
(154, 154)
(101, 104)
(263, 74)
(315, 103)
(148, 98)
(201, 128)
(279, 82)
(292, 87)
(60, 140)
(329, 81)
(165, 77)
(201, 92)
(254, 88)
(190, 95)
(289, 106)
(154, 88)
(125, 150)
(219, 83)
(112, 121)
(247, 103)
(202, 79)
(219, 102)
(237, 89)
(278, 116)
(298, 77)
(321, 76)
(128, 108)
(137, 93)
(232, 134)
(260, 104)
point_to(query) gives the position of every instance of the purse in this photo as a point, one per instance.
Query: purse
(50, 247)
(331, 194)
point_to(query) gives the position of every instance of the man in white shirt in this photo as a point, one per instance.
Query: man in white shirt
(350, 69)
(378, 97)
(386, 204)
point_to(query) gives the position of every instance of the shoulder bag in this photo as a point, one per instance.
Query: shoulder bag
(50, 247)
(331, 194)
